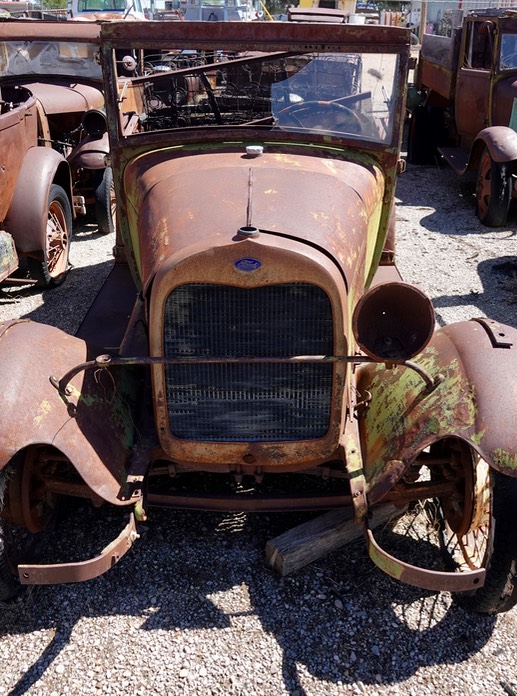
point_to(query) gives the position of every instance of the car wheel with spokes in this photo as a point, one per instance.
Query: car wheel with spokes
(51, 270)
(478, 527)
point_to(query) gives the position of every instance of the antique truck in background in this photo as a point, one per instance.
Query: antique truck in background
(469, 116)
(53, 157)
(96, 10)
(254, 347)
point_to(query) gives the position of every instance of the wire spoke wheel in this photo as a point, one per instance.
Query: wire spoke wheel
(472, 527)
(51, 270)
(57, 240)
(478, 526)
(466, 527)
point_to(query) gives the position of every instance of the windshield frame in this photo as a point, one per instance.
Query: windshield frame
(254, 37)
(52, 32)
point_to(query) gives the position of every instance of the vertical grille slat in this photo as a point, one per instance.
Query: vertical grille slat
(248, 402)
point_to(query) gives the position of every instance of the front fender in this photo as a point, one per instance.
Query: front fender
(90, 153)
(97, 441)
(27, 217)
(476, 401)
(501, 143)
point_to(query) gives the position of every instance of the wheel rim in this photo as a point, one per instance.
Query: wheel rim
(484, 185)
(466, 524)
(56, 240)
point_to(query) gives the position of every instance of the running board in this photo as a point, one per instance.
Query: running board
(456, 157)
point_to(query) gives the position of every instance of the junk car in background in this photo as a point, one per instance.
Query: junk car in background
(273, 359)
(469, 113)
(54, 154)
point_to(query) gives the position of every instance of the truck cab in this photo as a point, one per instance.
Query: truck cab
(105, 9)
(468, 118)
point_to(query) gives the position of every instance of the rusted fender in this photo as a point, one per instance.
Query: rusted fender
(27, 217)
(66, 95)
(97, 440)
(475, 401)
(90, 153)
(500, 141)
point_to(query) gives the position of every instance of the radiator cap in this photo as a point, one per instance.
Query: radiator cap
(248, 231)
(254, 150)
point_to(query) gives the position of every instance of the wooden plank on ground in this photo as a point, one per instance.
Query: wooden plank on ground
(311, 540)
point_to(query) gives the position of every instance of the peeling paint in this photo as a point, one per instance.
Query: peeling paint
(44, 409)
(505, 460)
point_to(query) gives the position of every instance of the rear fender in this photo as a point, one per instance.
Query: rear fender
(27, 217)
(90, 153)
(98, 440)
(475, 401)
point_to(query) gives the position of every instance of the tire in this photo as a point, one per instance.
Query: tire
(105, 205)
(52, 269)
(28, 515)
(493, 190)
(481, 532)
(9, 584)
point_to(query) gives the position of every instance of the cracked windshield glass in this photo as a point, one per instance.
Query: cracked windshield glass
(340, 94)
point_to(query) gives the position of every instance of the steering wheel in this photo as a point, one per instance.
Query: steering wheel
(307, 114)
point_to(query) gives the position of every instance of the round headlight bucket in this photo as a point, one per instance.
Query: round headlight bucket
(393, 322)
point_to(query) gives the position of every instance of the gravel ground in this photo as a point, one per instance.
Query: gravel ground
(192, 610)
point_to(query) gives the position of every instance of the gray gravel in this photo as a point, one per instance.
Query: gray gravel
(192, 610)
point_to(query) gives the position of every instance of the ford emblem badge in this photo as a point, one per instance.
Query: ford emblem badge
(247, 265)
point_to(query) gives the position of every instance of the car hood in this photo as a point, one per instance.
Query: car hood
(181, 202)
(66, 96)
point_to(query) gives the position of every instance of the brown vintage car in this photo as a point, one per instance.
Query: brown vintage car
(54, 165)
(469, 115)
(254, 348)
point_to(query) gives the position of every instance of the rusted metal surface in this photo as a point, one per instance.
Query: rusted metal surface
(98, 453)
(420, 577)
(49, 77)
(49, 31)
(18, 130)
(64, 96)
(281, 145)
(381, 326)
(240, 232)
(470, 84)
(343, 196)
(464, 405)
(82, 570)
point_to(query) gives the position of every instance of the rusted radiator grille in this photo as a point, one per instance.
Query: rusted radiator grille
(248, 402)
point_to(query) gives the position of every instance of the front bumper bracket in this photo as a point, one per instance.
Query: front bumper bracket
(434, 580)
(83, 570)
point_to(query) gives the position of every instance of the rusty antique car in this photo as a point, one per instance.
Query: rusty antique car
(53, 157)
(469, 116)
(254, 347)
